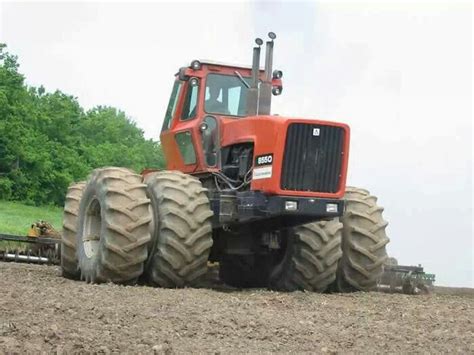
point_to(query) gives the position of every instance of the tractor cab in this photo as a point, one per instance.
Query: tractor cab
(219, 128)
(206, 97)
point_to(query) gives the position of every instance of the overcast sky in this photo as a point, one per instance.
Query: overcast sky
(400, 75)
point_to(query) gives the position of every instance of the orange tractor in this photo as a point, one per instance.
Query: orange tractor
(263, 195)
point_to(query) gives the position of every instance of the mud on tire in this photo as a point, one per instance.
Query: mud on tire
(363, 243)
(182, 229)
(311, 258)
(113, 230)
(69, 263)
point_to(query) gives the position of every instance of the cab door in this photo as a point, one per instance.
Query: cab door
(180, 133)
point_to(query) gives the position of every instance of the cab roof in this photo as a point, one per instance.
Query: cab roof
(223, 64)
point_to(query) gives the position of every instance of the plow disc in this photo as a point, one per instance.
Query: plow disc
(39, 250)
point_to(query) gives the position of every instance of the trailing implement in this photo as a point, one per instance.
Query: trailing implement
(405, 279)
(41, 245)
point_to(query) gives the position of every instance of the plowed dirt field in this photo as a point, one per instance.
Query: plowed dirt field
(41, 311)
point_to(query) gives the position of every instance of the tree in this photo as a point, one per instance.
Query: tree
(47, 140)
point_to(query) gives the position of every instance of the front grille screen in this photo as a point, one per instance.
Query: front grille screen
(313, 156)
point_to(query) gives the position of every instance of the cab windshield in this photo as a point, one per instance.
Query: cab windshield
(226, 95)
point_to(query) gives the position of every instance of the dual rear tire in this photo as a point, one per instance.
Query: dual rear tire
(116, 228)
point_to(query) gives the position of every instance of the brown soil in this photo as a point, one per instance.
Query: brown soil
(41, 311)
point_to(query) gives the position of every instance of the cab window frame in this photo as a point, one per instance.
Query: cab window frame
(187, 101)
(172, 105)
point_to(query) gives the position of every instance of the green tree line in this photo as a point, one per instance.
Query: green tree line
(47, 140)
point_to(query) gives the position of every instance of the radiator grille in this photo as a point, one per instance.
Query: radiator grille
(313, 156)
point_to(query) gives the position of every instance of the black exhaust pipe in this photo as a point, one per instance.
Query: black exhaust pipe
(252, 95)
(265, 97)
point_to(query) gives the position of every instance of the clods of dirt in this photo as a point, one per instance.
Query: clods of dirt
(42, 312)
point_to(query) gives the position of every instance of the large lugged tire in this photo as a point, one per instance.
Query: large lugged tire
(311, 258)
(113, 230)
(182, 229)
(363, 242)
(69, 264)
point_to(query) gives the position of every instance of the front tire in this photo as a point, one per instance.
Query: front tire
(363, 243)
(113, 230)
(310, 259)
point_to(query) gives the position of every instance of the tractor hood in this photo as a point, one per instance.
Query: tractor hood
(293, 156)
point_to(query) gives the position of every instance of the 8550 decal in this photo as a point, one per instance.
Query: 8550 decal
(265, 159)
(263, 167)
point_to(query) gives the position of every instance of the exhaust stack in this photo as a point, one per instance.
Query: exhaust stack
(259, 97)
(265, 97)
(252, 96)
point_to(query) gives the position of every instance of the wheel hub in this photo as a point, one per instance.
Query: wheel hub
(92, 227)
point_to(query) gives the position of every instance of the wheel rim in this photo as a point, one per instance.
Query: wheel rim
(92, 227)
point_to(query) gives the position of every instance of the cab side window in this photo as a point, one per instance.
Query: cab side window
(190, 102)
(172, 105)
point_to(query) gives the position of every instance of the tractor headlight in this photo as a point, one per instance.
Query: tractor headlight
(331, 207)
(291, 205)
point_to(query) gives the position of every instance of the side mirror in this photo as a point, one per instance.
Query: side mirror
(182, 74)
